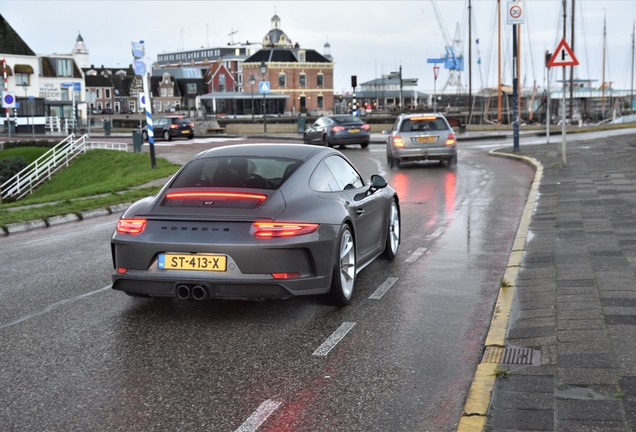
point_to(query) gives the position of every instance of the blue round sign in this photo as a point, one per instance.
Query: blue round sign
(9, 99)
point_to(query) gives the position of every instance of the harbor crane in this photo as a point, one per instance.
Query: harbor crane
(454, 57)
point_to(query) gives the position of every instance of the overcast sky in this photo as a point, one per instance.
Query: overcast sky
(367, 38)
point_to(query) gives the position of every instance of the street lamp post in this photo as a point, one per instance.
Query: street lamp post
(264, 71)
(252, 81)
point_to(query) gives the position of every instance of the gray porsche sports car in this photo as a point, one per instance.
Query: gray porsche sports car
(257, 221)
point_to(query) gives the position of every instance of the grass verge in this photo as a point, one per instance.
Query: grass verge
(96, 179)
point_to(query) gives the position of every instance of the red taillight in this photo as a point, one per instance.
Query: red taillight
(451, 139)
(191, 125)
(174, 126)
(337, 129)
(282, 229)
(366, 127)
(230, 195)
(131, 226)
(286, 275)
(398, 141)
(121, 270)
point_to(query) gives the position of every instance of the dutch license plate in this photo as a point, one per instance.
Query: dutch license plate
(185, 131)
(170, 261)
(354, 130)
(426, 139)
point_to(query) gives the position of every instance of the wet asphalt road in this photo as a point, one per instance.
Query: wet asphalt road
(77, 355)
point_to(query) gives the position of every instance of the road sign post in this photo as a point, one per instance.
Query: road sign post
(515, 16)
(435, 62)
(264, 88)
(563, 56)
(138, 52)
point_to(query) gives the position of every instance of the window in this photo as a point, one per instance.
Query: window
(301, 56)
(170, 92)
(131, 105)
(322, 180)
(237, 171)
(192, 88)
(344, 173)
(21, 79)
(320, 79)
(282, 79)
(302, 80)
(107, 93)
(98, 93)
(321, 102)
(64, 68)
(163, 92)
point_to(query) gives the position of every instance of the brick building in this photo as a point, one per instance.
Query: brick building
(304, 75)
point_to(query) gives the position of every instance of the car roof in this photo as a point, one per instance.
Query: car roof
(436, 115)
(292, 151)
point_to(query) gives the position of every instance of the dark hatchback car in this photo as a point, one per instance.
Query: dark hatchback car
(338, 130)
(171, 127)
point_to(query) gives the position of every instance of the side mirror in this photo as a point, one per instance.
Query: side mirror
(378, 182)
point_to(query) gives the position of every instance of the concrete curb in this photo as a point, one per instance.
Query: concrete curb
(61, 219)
(475, 413)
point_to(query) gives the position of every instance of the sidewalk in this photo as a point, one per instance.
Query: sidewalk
(574, 302)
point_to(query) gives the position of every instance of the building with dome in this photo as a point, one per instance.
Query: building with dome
(301, 74)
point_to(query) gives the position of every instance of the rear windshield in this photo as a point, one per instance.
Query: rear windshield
(423, 125)
(249, 172)
(347, 119)
(181, 121)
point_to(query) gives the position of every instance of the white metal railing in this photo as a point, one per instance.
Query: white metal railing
(49, 163)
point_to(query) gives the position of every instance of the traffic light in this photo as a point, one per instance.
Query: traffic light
(354, 81)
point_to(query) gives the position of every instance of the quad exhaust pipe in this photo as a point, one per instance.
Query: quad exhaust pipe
(197, 292)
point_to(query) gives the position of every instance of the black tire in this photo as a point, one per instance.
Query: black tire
(325, 141)
(364, 145)
(190, 136)
(452, 162)
(344, 270)
(393, 235)
(166, 136)
(393, 163)
(144, 136)
(305, 139)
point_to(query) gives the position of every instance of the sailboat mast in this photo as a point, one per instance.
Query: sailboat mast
(565, 36)
(603, 82)
(572, 67)
(470, 64)
(631, 106)
(499, 61)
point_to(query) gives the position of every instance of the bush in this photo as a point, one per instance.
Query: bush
(11, 166)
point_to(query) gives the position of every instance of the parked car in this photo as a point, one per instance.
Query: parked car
(418, 137)
(171, 127)
(107, 111)
(96, 111)
(338, 130)
(256, 221)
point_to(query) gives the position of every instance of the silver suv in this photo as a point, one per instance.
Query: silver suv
(418, 137)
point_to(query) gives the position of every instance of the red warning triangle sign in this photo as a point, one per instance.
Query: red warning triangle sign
(563, 56)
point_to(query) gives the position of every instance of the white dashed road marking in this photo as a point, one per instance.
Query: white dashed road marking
(382, 289)
(333, 340)
(259, 416)
(415, 255)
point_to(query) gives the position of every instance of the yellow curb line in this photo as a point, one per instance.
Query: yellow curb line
(475, 412)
